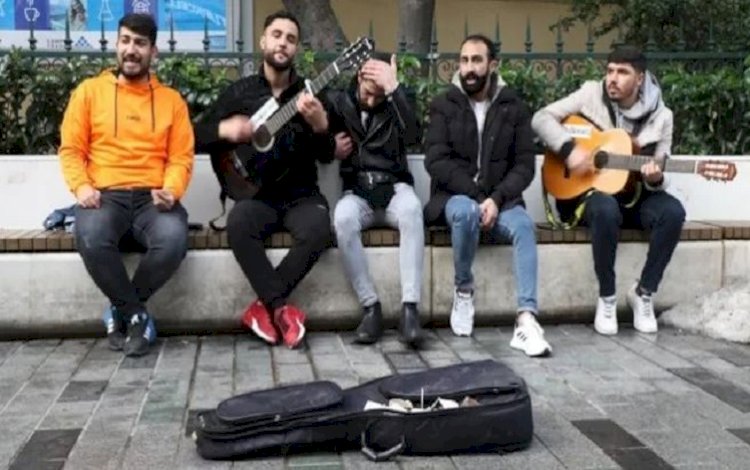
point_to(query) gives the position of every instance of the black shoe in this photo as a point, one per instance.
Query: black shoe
(370, 329)
(115, 325)
(141, 335)
(409, 328)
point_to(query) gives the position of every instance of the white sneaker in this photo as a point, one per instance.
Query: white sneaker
(605, 322)
(462, 315)
(529, 338)
(644, 319)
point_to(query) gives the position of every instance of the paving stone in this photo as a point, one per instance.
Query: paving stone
(83, 390)
(722, 389)
(99, 364)
(356, 461)
(68, 415)
(214, 372)
(288, 374)
(314, 461)
(253, 368)
(567, 444)
(404, 361)
(426, 463)
(46, 448)
(259, 464)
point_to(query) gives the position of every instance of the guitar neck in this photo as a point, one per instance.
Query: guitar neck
(635, 162)
(287, 112)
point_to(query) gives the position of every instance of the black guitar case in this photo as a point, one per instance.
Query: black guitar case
(321, 416)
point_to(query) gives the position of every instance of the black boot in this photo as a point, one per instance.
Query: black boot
(410, 329)
(370, 329)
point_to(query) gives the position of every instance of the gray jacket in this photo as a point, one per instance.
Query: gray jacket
(649, 117)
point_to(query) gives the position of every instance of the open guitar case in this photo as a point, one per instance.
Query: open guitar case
(320, 416)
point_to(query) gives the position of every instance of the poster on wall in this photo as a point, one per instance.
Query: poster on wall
(87, 19)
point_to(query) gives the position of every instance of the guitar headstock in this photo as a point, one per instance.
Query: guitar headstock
(717, 170)
(355, 55)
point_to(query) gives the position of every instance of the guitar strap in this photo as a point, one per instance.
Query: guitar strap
(578, 212)
(212, 222)
(557, 223)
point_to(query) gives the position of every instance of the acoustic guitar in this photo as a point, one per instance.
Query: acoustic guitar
(270, 118)
(612, 161)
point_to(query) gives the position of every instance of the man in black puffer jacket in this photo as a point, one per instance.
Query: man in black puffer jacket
(374, 124)
(480, 156)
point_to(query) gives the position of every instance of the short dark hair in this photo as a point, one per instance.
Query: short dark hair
(628, 55)
(491, 51)
(282, 15)
(139, 23)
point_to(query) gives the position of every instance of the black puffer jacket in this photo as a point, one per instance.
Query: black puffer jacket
(382, 147)
(508, 154)
(288, 171)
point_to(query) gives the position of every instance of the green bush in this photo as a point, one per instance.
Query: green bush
(712, 107)
(34, 93)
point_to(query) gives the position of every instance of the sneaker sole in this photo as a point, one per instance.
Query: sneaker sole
(544, 353)
(255, 327)
(299, 338)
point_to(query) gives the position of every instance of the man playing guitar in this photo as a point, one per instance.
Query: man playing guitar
(629, 98)
(286, 174)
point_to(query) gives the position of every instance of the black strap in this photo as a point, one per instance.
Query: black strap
(223, 200)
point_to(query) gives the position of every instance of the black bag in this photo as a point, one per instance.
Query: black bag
(375, 187)
(321, 416)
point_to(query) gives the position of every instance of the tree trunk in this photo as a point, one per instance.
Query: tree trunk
(320, 27)
(415, 24)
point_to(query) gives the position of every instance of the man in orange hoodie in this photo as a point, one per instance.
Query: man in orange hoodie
(127, 155)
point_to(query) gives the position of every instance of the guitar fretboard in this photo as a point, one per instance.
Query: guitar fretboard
(287, 112)
(635, 162)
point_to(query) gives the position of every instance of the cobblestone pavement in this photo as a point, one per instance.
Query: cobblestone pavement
(630, 401)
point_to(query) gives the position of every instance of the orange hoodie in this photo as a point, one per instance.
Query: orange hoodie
(117, 135)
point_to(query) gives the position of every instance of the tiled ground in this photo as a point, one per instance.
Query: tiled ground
(632, 401)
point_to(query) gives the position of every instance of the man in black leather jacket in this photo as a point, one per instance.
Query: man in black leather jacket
(374, 124)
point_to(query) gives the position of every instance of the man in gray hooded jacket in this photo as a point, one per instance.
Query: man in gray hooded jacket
(480, 156)
(628, 98)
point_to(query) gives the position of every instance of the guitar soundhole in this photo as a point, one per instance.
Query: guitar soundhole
(262, 139)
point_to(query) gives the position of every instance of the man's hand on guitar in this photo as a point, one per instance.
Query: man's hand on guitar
(579, 160)
(489, 212)
(163, 199)
(236, 129)
(652, 173)
(312, 110)
(344, 146)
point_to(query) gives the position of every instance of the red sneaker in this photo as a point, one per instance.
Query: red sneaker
(291, 323)
(257, 318)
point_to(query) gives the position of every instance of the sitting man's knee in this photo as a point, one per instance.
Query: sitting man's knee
(462, 210)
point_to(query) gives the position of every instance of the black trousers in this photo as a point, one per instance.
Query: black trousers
(98, 234)
(658, 212)
(251, 221)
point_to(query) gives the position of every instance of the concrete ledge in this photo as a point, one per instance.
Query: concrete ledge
(51, 294)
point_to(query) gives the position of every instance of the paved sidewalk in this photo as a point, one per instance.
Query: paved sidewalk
(631, 401)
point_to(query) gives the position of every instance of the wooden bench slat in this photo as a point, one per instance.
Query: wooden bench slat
(37, 240)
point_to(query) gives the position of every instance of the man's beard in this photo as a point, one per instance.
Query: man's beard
(270, 59)
(478, 85)
(142, 72)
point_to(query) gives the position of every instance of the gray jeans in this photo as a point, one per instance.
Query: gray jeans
(404, 212)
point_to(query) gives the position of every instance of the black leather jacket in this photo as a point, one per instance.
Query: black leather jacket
(382, 147)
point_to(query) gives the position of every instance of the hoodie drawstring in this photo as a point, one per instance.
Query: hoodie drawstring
(116, 108)
(153, 112)
(153, 109)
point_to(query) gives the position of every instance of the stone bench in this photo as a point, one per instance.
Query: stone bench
(46, 290)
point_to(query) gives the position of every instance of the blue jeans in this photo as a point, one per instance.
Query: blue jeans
(514, 225)
(98, 232)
